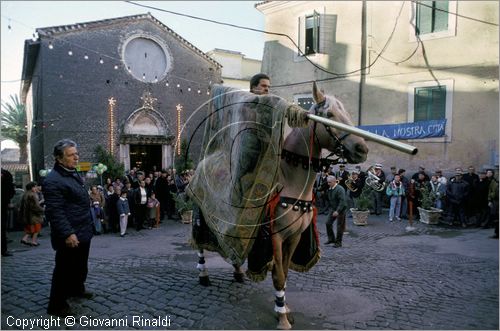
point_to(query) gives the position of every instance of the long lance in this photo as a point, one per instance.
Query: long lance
(366, 134)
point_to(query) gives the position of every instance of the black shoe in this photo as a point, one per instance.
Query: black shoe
(84, 295)
(7, 253)
(337, 245)
(329, 242)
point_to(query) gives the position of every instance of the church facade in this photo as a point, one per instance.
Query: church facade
(129, 84)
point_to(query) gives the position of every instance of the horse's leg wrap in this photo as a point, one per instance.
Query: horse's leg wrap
(203, 276)
(279, 306)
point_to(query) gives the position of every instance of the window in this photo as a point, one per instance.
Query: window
(316, 35)
(430, 103)
(312, 34)
(432, 16)
(428, 100)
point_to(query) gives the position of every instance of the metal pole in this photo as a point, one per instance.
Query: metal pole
(402, 147)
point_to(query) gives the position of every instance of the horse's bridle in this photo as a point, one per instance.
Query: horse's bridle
(339, 149)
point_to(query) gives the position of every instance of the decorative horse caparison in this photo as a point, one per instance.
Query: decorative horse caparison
(298, 182)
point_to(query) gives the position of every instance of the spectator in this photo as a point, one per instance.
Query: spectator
(404, 199)
(342, 175)
(421, 169)
(378, 196)
(336, 211)
(456, 193)
(68, 212)
(8, 192)
(481, 191)
(395, 190)
(31, 214)
(153, 211)
(172, 189)
(471, 202)
(140, 202)
(111, 210)
(162, 193)
(320, 188)
(439, 190)
(493, 200)
(131, 203)
(391, 176)
(442, 179)
(420, 183)
(357, 186)
(123, 211)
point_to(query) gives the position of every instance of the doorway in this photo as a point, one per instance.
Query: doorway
(145, 157)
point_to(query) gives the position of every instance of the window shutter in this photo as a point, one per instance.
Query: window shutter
(438, 106)
(441, 17)
(302, 35)
(430, 103)
(424, 18)
(327, 33)
(316, 20)
(421, 102)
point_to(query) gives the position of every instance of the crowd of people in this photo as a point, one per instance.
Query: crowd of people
(138, 198)
(465, 198)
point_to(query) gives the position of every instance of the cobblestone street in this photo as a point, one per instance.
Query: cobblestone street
(437, 277)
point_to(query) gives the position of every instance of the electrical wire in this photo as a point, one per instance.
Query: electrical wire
(338, 75)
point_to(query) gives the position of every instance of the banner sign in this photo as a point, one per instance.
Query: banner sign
(415, 130)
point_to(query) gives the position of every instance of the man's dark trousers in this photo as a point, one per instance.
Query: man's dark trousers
(340, 228)
(70, 273)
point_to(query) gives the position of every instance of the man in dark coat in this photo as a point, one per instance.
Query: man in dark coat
(8, 192)
(162, 192)
(456, 192)
(67, 204)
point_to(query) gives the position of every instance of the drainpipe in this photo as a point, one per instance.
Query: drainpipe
(362, 79)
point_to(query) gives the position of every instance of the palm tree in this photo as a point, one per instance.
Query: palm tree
(14, 125)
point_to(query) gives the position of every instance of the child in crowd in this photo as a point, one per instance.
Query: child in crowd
(124, 212)
(153, 211)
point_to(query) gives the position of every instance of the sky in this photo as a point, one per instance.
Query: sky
(24, 17)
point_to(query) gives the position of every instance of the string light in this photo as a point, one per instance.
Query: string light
(179, 109)
(34, 37)
(178, 85)
(116, 67)
(50, 45)
(70, 53)
(144, 76)
(101, 61)
(166, 84)
(86, 57)
(189, 89)
(111, 124)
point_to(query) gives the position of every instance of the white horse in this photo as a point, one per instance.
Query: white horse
(302, 144)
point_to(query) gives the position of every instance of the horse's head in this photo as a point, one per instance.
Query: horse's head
(354, 149)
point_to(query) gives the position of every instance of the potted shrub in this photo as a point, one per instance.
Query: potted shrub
(362, 209)
(184, 207)
(428, 213)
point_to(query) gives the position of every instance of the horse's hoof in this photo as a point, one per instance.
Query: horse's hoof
(205, 281)
(239, 277)
(289, 315)
(283, 323)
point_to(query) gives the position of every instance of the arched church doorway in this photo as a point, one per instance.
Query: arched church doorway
(145, 139)
(146, 157)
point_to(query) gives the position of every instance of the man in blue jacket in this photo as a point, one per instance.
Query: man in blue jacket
(67, 208)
